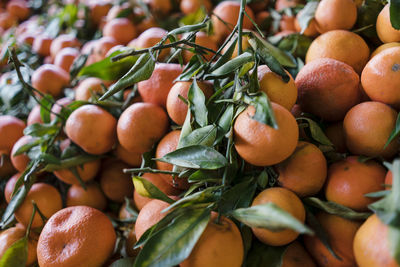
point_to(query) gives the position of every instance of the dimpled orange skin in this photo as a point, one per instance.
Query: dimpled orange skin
(48, 200)
(92, 128)
(176, 108)
(155, 90)
(340, 233)
(11, 129)
(371, 244)
(284, 94)
(50, 79)
(304, 172)
(335, 14)
(345, 46)
(86, 171)
(76, 236)
(21, 161)
(349, 180)
(131, 158)
(383, 47)
(92, 196)
(367, 127)
(121, 29)
(289, 202)
(381, 77)
(219, 245)
(262, 145)
(88, 87)
(327, 88)
(146, 122)
(295, 256)
(384, 27)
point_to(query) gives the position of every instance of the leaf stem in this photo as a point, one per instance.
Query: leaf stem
(149, 170)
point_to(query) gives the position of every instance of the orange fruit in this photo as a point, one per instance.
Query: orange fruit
(304, 172)
(131, 158)
(191, 6)
(41, 45)
(282, 4)
(146, 23)
(100, 48)
(48, 200)
(384, 27)
(18, 9)
(335, 134)
(76, 236)
(98, 10)
(284, 94)
(349, 180)
(130, 243)
(117, 9)
(66, 57)
(10, 185)
(295, 255)
(124, 213)
(92, 128)
(287, 23)
(6, 168)
(12, 235)
(7, 20)
(34, 116)
(88, 87)
(220, 245)
(155, 90)
(340, 233)
(383, 47)
(149, 38)
(176, 108)
(262, 145)
(389, 178)
(92, 196)
(204, 40)
(380, 77)
(159, 7)
(121, 29)
(345, 46)
(20, 162)
(311, 29)
(367, 127)
(327, 88)
(371, 244)
(116, 184)
(146, 121)
(63, 41)
(56, 108)
(160, 181)
(50, 79)
(335, 15)
(287, 201)
(245, 45)
(228, 11)
(11, 129)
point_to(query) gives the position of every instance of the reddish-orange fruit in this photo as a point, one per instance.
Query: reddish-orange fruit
(34, 116)
(287, 23)
(149, 38)
(131, 158)
(50, 79)
(47, 199)
(383, 47)
(311, 29)
(228, 11)
(6, 167)
(191, 6)
(130, 244)
(282, 4)
(116, 184)
(289, 202)
(118, 9)
(41, 45)
(284, 94)
(340, 233)
(155, 90)
(121, 29)
(335, 15)
(204, 40)
(345, 46)
(11, 129)
(12, 235)
(380, 77)
(18, 9)
(100, 48)
(63, 41)
(372, 245)
(26, 38)
(124, 213)
(87, 88)
(149, 215)
(367, 127)
(21, 161)
(327, 88)
(66, 57)
(176, 108)
(304, 172)
(98, 10)
(92, 128)
(76, 236)
(10, 185)
(92, 196)
(262, 145)
(159, 7)
(146, 122)
(60, 103)
(7, 20)
(349, 180)
(295, 255)
(389, 178)
(335, 134)
(384, 27)
(220, 245)
(160, 182)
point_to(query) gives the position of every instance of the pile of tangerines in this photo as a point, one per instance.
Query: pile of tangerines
(200, 133)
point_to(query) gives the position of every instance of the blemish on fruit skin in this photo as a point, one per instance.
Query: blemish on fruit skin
(395, 67)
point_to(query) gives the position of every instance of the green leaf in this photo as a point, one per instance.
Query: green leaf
(271, 217)
(393, 235)
(25, 148)
(39, 130)
(395, 133)
(16, 255)
(45, 106)
(171, 245)
(225, 57)
(108, 70)
(336, 209)
(198, 106)
(264, 112)
(188, 28)
(78, 64)
(196, 157)
(203, 136)
(124, 262)
(142, 70)
(263, 255)
(239, 196)
(394, 10)
(191, 69)
(194, 17)
(146, 189)
(316, 132)
(231, 66)
(307, 14)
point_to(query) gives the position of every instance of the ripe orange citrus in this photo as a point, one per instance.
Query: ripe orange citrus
(21, 161)
(11, 129)
(384, 27)
(383, 47)
(335, 15)
(50, 79)
(295, 256)
(121, 29)
(66, 57)
(63, 41)
(92, 196)
(87, 88)
(149, 38)
(191, 6)
(204, 40)
(116, 184)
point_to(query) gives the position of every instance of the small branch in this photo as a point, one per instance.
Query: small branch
(148, 170)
